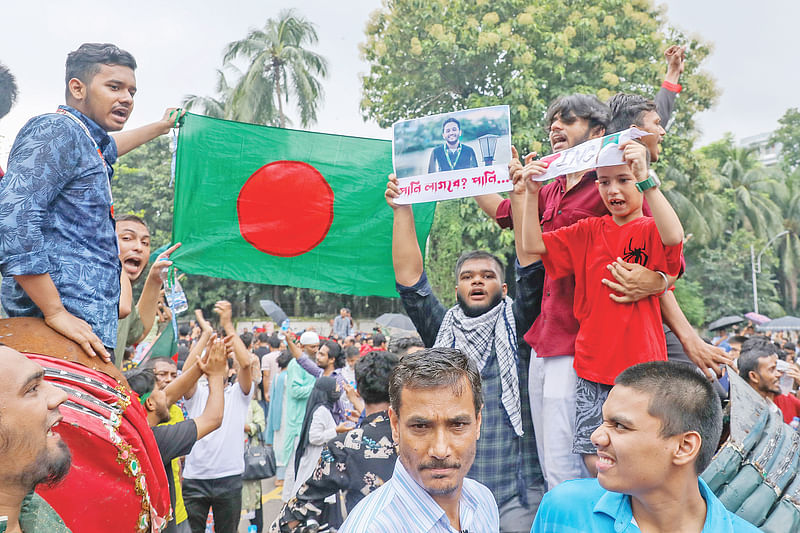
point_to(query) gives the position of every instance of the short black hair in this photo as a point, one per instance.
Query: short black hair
(682, 399)
(738, 339)
(247, 339)
(85, 62)
(752, 350)
(184, 330)
(141, 380)
(789, 346)
(284, 359)
(448, 121)
(627, 109)
(130, 217)
(264, 338)
(434, 368)
(373, 372)
(335, 351)
(401, 345)
(378, 339)
(274, 341)
(480, 254)
(351, 351)
(574, 106)
(8, 90)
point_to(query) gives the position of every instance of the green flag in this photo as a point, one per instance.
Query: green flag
(163, 346)
(285, 207)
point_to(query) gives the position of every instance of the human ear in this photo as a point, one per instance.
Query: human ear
(76, 88)
(688, 447)
(394, 422)
(149, 404)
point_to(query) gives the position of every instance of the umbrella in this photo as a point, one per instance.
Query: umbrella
(274, 311)
(757, 318)
(784, 323)
(396, 320)
(724, 322)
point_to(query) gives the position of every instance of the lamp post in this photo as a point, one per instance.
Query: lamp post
(488, 144)
(755, 265)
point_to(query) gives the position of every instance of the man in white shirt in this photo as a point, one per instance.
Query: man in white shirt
(213, 472)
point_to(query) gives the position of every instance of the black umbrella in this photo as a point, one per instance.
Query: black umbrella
(396, 320)
(724, 322)
(784, 323)
(274, 311)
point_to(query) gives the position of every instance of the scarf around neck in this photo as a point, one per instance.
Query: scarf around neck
(475, 336)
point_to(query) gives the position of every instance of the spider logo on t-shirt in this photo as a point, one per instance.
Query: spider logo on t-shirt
(635, 255)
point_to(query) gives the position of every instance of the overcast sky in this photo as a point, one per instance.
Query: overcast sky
(178, 45)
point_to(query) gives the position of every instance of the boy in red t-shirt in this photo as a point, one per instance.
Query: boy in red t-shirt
(612, 336)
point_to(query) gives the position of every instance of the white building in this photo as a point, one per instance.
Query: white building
(768, 153)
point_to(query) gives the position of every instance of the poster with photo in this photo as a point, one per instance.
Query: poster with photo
(452, 155)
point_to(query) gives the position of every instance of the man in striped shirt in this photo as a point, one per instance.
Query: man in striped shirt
(435, 412)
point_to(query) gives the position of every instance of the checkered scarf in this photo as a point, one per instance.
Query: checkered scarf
(475, 335)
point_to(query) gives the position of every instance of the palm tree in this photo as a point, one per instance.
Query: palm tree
(754, 191)
(702, 212)
(789, 245)
(213, 107)
(279, 66)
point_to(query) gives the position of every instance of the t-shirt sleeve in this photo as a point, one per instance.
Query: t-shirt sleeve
(564, 246)
(674, 256)
(175, 440)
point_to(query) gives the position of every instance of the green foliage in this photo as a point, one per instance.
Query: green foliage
(690, 298)
(439, 56)
(788, 134)
(724, 273)
(279, 68)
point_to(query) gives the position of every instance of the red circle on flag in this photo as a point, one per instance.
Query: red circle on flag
(285, 208)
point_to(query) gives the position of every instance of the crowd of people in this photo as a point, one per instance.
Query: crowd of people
(585, 401)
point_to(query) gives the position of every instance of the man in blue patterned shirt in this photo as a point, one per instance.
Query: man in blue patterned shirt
(58, 249)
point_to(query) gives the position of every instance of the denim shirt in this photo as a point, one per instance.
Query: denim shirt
(55, 217)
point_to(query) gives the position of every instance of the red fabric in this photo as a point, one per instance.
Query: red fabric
(789, 406)
(554, 331)
(674, 87)
(611, 336)
(100, 494)
(365, 349)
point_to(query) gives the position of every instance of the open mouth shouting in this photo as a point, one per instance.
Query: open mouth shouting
(133, 265)
(558, 140)
(50, 432)
(120, 114)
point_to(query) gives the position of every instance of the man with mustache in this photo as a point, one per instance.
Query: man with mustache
(485, 325)
(58, 254)
(31, 453)
(435, 401)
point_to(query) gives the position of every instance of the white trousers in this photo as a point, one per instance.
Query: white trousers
(551, 382)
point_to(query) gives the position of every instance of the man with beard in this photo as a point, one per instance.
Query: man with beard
(133, 238)
(31, 453)
(435, 413)
(176, 440)
(485, 325)
(452, 155)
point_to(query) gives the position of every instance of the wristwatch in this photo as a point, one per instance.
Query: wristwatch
(651, 181)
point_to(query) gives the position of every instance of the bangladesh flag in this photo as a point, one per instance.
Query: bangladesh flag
(285, 207)
(164, 346)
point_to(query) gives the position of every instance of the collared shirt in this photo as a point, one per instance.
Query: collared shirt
(342, 326)
(55, 217)
(356, 462)
(583, 505)
(402, 505)
(505, 463)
